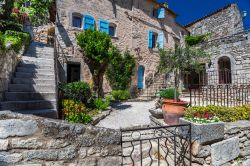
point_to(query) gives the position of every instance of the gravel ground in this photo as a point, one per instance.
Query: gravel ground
(128, 114)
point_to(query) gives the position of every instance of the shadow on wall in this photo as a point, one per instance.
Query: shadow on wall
(63, 33)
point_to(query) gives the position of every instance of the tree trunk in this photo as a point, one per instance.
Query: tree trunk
(98, 81)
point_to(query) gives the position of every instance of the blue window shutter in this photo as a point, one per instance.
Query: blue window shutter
(89, 22)
(104, 26)
(150, 39)
(140, 75)
(161, 40)
(161, 13)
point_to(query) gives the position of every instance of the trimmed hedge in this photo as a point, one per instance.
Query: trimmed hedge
(225, 114)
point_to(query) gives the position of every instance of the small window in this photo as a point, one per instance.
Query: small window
(112, 30)
(77, 21)
(154, 40)
(155, 13)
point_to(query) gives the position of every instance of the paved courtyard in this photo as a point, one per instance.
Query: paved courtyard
(128, 114)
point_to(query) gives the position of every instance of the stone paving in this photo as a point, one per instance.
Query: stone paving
(128, 114)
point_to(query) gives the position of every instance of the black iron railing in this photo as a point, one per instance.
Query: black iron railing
(220, 95)
(163, 145)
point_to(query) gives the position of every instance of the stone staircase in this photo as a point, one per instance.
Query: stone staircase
(151, 91)
(32, 89)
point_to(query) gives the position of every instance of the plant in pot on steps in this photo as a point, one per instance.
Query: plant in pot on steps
(177, 62)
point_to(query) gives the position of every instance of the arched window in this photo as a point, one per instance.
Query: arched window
(224, 69)
(77, 20)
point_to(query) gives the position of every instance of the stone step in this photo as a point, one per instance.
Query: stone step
(17, 96)
(33, 81)
(28, 105)
(34, 70)
(47, 113)
(39, 63)
(37, 66)
(31, 88)
(34, 75)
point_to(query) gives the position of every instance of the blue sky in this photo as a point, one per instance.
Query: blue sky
(190, 10)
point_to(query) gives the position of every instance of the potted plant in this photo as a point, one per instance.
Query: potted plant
(177, 61)
(173, 108)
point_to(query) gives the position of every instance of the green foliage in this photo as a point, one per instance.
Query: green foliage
(10, 25)
(170, 93)
(78, 91)
(193, 40)
(2, 43)
(37, 11)
(76, 112)
(225, 114)
(6, 9)
(79, 118)
(180, 59)
(97, 47)
(17, 39)
(120, 69)
(120, 95)
(101, 104)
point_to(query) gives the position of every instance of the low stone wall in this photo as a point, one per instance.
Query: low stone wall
(27, 140)
(8, 62)
(232, 150)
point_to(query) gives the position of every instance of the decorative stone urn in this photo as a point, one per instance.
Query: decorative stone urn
(207, 132)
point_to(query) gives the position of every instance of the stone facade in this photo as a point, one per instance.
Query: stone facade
(133, 21)
(29, 140)
(228, 44)
(223, 22)
(8, 62)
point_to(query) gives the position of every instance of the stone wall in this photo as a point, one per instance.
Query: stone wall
(29, 140)
(8, 62)
(237, 48)
(133, 20)
(224, 22)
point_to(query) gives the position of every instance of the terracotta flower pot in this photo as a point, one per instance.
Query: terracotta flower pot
(173, 110)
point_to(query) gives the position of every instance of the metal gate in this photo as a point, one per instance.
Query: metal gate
(157, 146)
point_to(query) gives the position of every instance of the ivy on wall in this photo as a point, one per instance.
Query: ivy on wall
(193, 40)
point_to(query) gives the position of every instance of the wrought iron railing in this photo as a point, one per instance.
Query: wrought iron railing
(163, 145)
(220, 95)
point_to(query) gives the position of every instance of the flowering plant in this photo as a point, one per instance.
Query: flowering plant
(205, 117)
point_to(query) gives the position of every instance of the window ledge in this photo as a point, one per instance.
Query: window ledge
(114, 37)
(77, 29)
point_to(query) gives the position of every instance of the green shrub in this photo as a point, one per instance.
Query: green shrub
(2, 43)
(79, 118)
(170, 93)
(78, 91)
(76, 112)
(101, 104)
(10, 25)
(225, 114)
(193, 40)
(17, 39)
(120, 95)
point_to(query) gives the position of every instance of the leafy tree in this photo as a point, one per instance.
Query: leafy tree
(120, 70)
(180, 59)
(98, 52)
(6, 9)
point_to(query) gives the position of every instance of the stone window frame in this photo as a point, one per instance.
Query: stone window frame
(76, 14)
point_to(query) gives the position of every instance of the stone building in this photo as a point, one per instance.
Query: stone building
(136, 25)
(228, 46)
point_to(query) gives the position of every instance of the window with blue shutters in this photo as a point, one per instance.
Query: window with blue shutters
(104, 26)
(161, 40)
(161, 13)
(89, 22)
(77, 21)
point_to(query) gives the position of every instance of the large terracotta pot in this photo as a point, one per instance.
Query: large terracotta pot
(173, 110)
